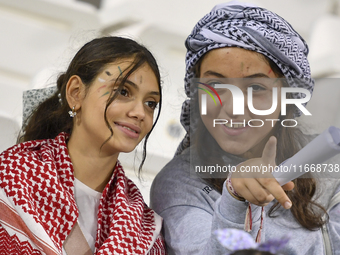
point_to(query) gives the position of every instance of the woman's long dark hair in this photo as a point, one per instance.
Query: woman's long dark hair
(51, 117)
(307, 212)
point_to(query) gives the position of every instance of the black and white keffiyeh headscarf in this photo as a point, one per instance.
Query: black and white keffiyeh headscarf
(236, 24)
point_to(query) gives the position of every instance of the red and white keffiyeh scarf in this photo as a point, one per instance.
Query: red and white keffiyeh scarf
(38, 209)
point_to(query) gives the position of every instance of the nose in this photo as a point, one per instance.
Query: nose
(227, 104)
(137, 110)
(233, 101)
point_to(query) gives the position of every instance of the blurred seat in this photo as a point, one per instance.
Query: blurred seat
(40, 33)
(10, 114)
(324, 46)
(11, 101)
(36, 34)
(9, 129)
(324, 59)
(46, 77)
(324, 105)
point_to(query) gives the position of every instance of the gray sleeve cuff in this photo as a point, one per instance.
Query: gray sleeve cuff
(235, 211)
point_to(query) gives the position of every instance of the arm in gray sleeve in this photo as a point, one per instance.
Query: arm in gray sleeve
(192, 211)
(334, 227)
(189, 229)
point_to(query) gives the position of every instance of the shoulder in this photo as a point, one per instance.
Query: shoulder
(33, 156)
(176, 184)
(29, 170)
(327, 188)
(337, 191)
(36, 146)
(176, 170)
(21, 155)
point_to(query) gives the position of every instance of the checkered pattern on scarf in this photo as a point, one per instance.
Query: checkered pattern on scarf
(37, 176)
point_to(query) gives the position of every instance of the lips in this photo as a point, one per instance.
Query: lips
(129, 129)
(236, 124)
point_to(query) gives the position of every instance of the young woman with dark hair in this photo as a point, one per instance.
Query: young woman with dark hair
(63, 190)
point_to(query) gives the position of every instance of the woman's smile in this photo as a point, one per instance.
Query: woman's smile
(130, 130)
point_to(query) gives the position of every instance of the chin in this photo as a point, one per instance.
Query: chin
(234, 148)
(112, 150)
(127, 149)
(236, 153)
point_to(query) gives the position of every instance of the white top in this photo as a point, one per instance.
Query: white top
(87, 201)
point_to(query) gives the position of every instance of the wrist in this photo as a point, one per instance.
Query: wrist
(232, 191)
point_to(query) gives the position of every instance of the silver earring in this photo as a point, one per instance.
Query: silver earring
(60, 100)
(72, 113)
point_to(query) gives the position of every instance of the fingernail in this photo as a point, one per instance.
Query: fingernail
(287, 205)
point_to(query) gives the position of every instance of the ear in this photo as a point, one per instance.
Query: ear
(75, 92)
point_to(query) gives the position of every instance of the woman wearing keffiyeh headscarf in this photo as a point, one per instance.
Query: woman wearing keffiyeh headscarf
(63, 189)
(206, 187)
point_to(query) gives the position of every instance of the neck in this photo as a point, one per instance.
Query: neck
(91, 166)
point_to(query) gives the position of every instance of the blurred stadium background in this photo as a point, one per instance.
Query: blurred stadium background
(39, 37)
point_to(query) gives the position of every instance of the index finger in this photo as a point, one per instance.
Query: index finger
(269, 151)
(276, 190)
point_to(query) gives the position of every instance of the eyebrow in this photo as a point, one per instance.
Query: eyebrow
(211, 73)
(256, 75)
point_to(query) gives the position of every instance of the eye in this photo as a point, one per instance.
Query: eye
(151, 104)
(257, 87)
(213, 83)
(124, 92)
